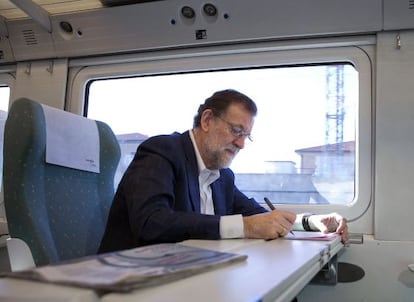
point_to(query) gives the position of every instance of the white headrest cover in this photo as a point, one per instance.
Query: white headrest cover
(71, 140)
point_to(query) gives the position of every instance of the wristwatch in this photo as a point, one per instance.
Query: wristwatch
(305, 222)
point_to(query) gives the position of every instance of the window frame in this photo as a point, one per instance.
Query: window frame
(6, 79)
(357, 52)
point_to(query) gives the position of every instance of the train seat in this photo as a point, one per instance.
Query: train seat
(55, 210)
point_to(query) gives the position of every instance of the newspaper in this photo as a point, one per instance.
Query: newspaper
(131, 269)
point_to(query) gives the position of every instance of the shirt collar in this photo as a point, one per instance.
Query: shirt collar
(200, 162)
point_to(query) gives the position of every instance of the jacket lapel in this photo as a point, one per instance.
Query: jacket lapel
(192, 172)
(218, 198)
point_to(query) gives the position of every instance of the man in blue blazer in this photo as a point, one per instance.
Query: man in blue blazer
(179, 186)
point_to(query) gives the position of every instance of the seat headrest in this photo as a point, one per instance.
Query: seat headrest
(71, 140)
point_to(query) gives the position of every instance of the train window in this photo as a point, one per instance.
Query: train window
(4, 107)
(304, 134)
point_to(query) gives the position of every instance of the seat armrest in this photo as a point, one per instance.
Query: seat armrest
(20, 255)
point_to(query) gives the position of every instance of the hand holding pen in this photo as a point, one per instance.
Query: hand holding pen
(270, 205)
(268, 225)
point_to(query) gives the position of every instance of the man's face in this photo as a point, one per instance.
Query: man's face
(225, 136)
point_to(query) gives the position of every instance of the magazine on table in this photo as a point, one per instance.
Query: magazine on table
(131, 269)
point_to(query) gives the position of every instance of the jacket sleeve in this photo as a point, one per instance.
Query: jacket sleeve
(236, 201)
(156, 190)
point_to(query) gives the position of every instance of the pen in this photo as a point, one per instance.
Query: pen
(273, 208)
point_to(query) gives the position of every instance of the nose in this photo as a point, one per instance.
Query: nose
(239, 142)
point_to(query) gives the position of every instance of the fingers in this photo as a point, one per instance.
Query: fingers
(341, 227)
(342, 230)
(323, 225)
(286, 231)
(284, 218)
(283, 231)
(276, 231)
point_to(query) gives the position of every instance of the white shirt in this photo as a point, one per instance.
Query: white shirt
(231, 226)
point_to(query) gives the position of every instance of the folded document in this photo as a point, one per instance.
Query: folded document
(318, 236)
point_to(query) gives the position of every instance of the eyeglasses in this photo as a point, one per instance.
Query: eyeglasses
(236, 131)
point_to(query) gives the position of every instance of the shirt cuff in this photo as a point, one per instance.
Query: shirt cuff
(231, 226)
(297, 226)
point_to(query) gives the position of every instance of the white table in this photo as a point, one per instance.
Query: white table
(14, 290)
(275, 270)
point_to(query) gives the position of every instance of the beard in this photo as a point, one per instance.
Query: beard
(222, 157)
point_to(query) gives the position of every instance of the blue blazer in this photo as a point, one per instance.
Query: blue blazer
(158, 198)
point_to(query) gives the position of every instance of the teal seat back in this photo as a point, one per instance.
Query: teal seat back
(59, 212)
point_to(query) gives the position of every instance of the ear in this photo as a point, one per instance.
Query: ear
(206, 118)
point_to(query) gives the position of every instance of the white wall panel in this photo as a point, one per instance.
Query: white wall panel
(160, 24)
(394, 189)
(398, 14)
